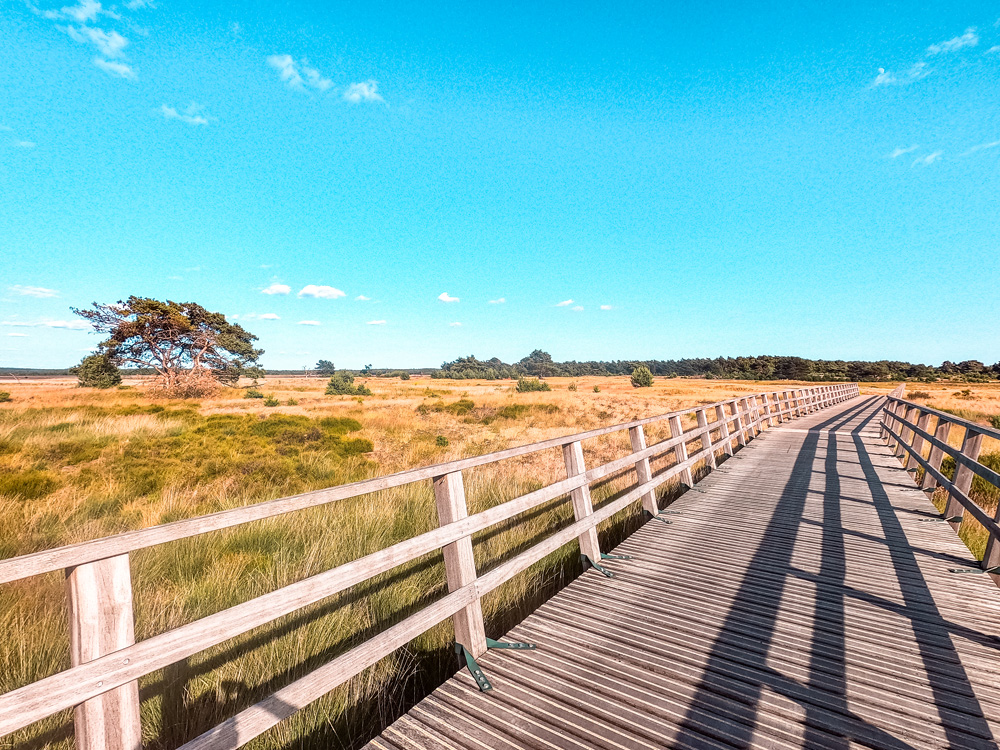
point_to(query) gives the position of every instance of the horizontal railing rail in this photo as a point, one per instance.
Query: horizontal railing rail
(107, 662)
(906, 428)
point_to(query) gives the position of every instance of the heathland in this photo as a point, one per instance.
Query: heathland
(77, 464)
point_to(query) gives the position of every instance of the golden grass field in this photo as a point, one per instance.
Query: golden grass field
(77, 464)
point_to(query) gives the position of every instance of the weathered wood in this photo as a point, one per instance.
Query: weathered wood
(923, 423)
(721, 420)
(637, 437)
(738, 409)
(706, 436)
(767, 410)
(101, 622)
(459, 561)
(972, 443)
(680, 452)
(937, 455)
(580, 497)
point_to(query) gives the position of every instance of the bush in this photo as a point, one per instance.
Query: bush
(96, 371)
(459, 408)
(342, 384)
(441, 441)
(642, 377)
(572, 387)
(919, 394)
(252, 393)
(271, 401)
(994, 420)
(5, 397)
(597, 389)
(526, 385)
(404, 376)
(966, 394)
(292, 402)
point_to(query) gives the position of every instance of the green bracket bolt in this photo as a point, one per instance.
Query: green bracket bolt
(474, 669)
(595, 566)
(615, 557)
(490, 643)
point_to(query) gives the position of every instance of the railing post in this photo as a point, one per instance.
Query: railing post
(909, 414)
(459, 562)
(101, 622)
(767, 410)
(796, 397)
(637, 436)
(741, 437)
(706, 437)
(923, 422)
(681, 451)
(720, 418)
(582, 504)
(787, 408)
(971, 445)
(755, 428)
(937, 455)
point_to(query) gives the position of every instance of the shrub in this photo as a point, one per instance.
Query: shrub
(404, 376)
(342, 384)
(525, 385)
(965, 393)
(96, 371)
(28, 485)
(995, 420)
(642, 377)
(271, 401)
(459, 408)
(920, 394)
(252, 393)
(292, 402)
(572, 387)
(5, 397)
(597, 389)
(441, 441)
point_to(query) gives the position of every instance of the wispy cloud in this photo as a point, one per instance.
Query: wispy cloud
(565, 303)
(366, 91)
(927, 160)
(498, 301)
(607, 307)
(968, 39)
(456, 324)
(993, 50)
(109, 44)
(896, 153)
(308, 323)
(320, 292)
(189, 115)
(83, 12)
(24, 144)
(115, 68)
(363, 298)
(18, 335)
(577, 308)
(33, 291)
(445, 297)
(138, 4)
(981, 147)
(375, 323)
(74, 325)
(277, 289)
(270, 316)
(887, 78)
(299, 75)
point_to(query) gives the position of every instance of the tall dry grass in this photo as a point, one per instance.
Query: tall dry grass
(79, 464)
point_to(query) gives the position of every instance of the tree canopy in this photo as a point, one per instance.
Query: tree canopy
(185, 344)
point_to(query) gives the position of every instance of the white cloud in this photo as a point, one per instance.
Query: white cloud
(993, 50)
(375, 323)
(270, 316)
(927, 160)
(981, 147)
(24, 144)
(116, 69)
(565, 303)
(19, 335)
(900, 151)
(367, 91)
(320, 292)
(277, 289)
(108, 44)
(33, 291)
(308, 323)
(607, 307)
(74, 325)
(968, 39)
(445, 297)
(82, 12)
(363, 298)
(577, 308)
(189, 115)
(292, 75)
(456, 324)
(884, 78)
(887, 78)
(499, 301)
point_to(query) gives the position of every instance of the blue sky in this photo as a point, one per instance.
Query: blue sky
(600, 180)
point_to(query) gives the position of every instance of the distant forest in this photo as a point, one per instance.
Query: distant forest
(540, 364)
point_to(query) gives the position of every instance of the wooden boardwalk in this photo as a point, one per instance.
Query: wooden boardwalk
(802, 597)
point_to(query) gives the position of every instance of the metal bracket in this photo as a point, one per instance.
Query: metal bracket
(490, 643)
(657, 517)
(474, 669)
(615, 557)
(600, 568)
(954, 519)
(693, 489)
(670, 512)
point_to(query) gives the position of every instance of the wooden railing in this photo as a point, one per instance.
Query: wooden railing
(107, 662)
(910, 429)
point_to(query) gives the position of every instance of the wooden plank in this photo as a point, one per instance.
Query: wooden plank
(582, 505)
(459, 562)
(972, 443)
(101, 622)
